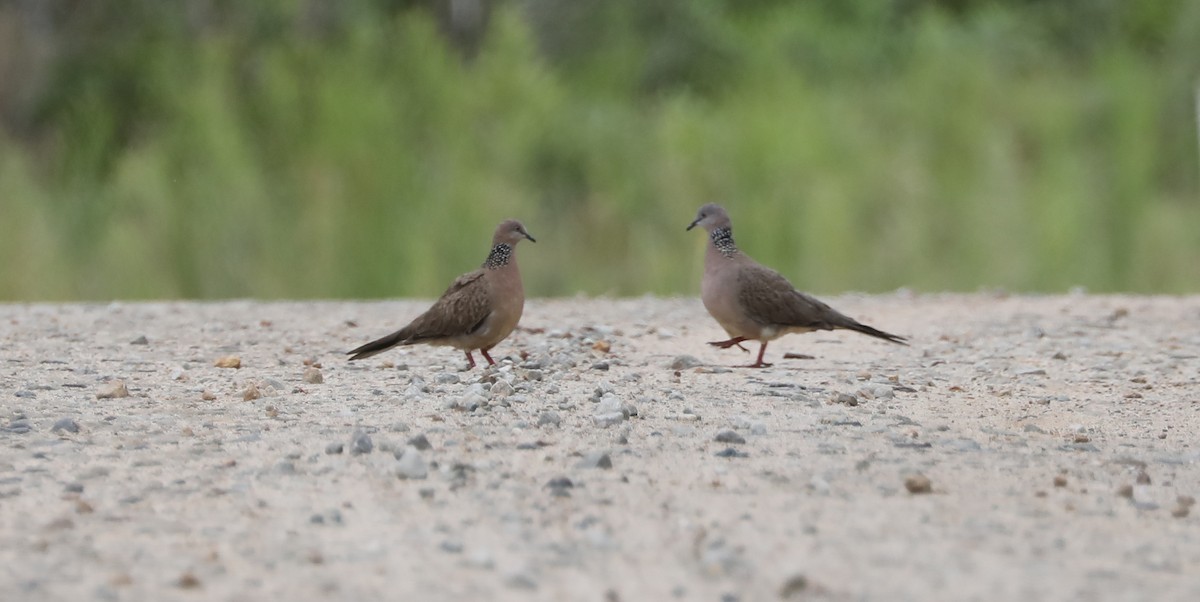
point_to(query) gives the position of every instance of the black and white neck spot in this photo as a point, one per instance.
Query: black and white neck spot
(722, 239)
(498, 258)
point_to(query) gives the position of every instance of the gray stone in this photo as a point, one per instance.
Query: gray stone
(421, 442)
(684, 362)
(334, 448)
(728, 436)
(360, 443)
(412, 465)
(65, 424)
(596, 460)
(549, 418)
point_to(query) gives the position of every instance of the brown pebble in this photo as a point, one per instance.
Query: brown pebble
(188, 581)
(187, 432)
(1060, 481)
(1125, 491)
(1186, 501)
(208, 395)
(251, 393)
(228, 361)
(272, 412)
(1082, 439)
(917, 484)
(1039, 494)
(794, 586)
(1180, 511)
(313, 376)
(1143, 478)
(121, 580)
(602, 346)
(113, 390)
(83, 507)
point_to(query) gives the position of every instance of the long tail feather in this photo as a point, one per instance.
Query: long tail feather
(378, 345)
(875, 332)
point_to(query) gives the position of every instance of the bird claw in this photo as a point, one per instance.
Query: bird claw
(730, 343)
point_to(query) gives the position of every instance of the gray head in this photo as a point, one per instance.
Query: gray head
(711, 217)
(510, 232)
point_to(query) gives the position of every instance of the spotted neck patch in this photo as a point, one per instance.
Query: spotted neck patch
(722, 239)
(498, 258)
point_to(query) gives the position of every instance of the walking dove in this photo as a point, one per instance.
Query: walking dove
(753, 302)
(479, 309)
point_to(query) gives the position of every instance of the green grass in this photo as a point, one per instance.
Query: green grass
(938, 152)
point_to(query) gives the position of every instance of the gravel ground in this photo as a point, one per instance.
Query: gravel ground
(1031, 448)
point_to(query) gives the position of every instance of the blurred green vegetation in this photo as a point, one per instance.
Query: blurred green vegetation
(366, 148)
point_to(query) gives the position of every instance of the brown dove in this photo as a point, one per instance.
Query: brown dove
(753, 302)
(479, 309)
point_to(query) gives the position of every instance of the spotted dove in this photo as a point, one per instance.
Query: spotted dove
(753, 302)
(479, 309)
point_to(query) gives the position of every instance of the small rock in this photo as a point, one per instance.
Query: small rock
(412, 465)
(188, 581)
(312, 375)
(1031, 372)
(65, 424)
(142, 340)
(549, 418)
(794, 587)
(447, 378)
(601, 366)
(1125, 491)
(207, 395)
(728, 436)
(1185, 501)
(730, 452)
(596, 460)
(334, 448)
(844, 399)
(1143, 478)
(521, 580)
(360, 443)
(451, 546)
(607, 420)
(1060, 480)
(421, 442)
(251, 392)
(1181, 511)
(684, 362)
(228, 361)
(558, 486)
(918, 484)
(113, 390)
(500, 389)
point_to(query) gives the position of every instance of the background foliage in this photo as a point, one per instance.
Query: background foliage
(366, 148)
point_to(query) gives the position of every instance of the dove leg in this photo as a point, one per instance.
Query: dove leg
(760, 363)
(470, 361)
(487, 357)
(734, 342)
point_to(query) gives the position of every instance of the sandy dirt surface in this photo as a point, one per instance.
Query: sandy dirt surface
(1059, 436)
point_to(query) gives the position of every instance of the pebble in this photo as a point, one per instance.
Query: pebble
(312, 376)
(412, 465)
(228, 361)
(596, 460)
(142, 340)
(334, 448)
(843, 398)
(730, 452)
(360, 443)
(549, 418)
(251, 392)
(447, 378)
(421, 442)
(521, 580)
(207, 395)
(18, 426)
(65, 424)
(500, 389)
(794, 587)
(560, 486)
(918, 484)
(728, 436)
(684, 362)
(113, 390)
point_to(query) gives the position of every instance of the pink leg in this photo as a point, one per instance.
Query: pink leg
(734, 342)
(760, 363)
(470, 361)
(487, 357)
